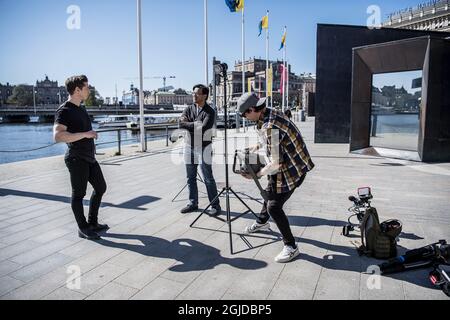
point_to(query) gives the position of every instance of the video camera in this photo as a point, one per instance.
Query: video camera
(360, 205)
(249, 163)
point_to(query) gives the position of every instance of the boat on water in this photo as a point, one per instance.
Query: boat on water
(34, 119)
(114, 121)
(170, 120)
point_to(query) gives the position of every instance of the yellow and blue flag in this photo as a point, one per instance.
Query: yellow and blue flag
(263, 24)
(235, 5)
(283, 41)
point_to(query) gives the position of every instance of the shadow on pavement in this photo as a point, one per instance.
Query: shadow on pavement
(133, 204)
(191, 255)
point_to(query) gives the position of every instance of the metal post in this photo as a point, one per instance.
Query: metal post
(215, 93)
(141, 79)
(119, 142)
(238, 119)
(267, 63)
(145, 137)
(34, 99)
(167, 136)
(206, 41)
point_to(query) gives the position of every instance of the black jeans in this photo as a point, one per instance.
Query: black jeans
(82, 172)
(274, 208)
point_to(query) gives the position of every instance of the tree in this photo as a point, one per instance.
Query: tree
(94, 99)
(21, 96)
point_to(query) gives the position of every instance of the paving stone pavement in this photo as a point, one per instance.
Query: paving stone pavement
(150, 252)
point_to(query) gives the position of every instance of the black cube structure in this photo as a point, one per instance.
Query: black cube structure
(335, 45)
(311, 103)
(432, 56)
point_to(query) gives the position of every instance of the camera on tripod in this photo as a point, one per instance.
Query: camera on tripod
(250, 163)
(247, 162)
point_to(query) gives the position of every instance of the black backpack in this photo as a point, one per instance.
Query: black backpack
(378, 240)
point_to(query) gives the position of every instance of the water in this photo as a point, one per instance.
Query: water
(31, 136)
(398, 123)
(397, 131)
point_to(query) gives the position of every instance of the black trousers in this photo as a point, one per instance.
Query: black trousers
(82, 172)
(274, 208)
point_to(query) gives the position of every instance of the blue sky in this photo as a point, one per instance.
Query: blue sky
(35, 39)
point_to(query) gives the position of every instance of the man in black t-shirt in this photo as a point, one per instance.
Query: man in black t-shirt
(73, 126)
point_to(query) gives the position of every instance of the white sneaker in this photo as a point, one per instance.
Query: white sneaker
(255, 227)
(214, 211)
(287, 254)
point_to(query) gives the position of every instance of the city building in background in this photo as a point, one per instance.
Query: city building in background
(172, 97)
(429, 16)
(46, 92)
(5, 92)
(255, 78)
(131, 97)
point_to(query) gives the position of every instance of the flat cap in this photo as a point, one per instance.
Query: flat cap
(248, 100)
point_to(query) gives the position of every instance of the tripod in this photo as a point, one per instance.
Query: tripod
(221, 70)
(199, 178)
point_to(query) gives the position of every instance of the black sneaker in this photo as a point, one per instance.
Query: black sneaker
(97, 227)
(87, 233)
(189, 208)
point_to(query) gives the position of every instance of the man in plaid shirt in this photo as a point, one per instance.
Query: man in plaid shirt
(288, 163)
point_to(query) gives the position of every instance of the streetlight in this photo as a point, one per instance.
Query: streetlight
(141, 77)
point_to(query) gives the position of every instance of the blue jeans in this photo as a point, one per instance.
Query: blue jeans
(191, 170)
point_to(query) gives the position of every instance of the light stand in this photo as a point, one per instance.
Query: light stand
(199, 178)
(220, 70)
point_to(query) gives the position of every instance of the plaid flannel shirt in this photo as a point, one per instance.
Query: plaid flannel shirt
(291, 153)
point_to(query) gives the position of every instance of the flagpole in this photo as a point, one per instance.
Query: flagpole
(238, 121)
(206, 42)
(285, 79)
(271, 84)
(287, 84)
(243, 53)
(267, 60)
(141, 77)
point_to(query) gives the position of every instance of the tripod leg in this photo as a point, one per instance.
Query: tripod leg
(199, 178)
(209, 205)
(179, 192)
(242, 201)
(229, 219)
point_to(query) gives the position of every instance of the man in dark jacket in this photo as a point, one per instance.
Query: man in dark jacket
(198, 120)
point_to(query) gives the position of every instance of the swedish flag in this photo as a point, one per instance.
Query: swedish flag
(283, 41)
(263, 24)
(235, 5)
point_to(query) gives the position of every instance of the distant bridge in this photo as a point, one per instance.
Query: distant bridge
(47, 113)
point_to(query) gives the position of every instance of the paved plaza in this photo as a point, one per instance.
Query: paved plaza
(150, 252)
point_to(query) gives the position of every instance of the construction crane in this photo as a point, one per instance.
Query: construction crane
(164, 80)
(158, 77)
